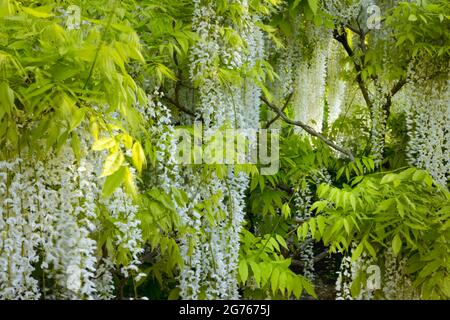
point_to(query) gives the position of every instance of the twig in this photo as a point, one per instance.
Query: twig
(342, 38)
(178, 106)
(396, 88)
(308, 129)
(282, 109)
(301, 264)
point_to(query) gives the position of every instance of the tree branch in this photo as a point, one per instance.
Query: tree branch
(317, 258)
(278, 116)
(396, 88)
(178, 106)
(308, 129)
(342, 38)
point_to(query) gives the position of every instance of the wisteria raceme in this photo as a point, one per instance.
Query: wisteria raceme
(344, 279)
(171, 174)
(214, 259)
(347, 274)
(286, 65)
(428, 122)
(103, 279)
(343, 11)
(396, 282)
(19, 222)
(52, 203)
(378, 131)
(303, 204)
(309, 96)
(337, 87)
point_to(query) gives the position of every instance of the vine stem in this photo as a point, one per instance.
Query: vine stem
(308, 129)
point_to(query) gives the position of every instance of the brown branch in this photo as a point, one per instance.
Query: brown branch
(178, 106)
(342, 38)
(298, 220)
(282, 109)
(396, 88)
(319, 257)
(308, 129)
(358, 32)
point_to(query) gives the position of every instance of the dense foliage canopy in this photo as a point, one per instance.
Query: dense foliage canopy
(96, 96)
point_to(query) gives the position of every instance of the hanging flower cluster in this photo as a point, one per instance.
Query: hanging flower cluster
(378, 129)
(428, 123)
(303, 202)
(210, 250)
(396, 283)
(337, 87)
(49, 218)
(344, 279)
(286, 64)
(348, 272)
(310, 83)
(342, 11)
(303, 199)
(18, 232)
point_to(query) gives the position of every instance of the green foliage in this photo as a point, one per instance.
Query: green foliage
(55, 80)
(262, 260)
(422, 28)
(404, 210)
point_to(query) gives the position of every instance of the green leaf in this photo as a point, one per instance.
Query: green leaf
(6, 98)
(298, 288)
(396, 244)
(76, 148)
(412, 17)
(104, 143)
(353, 201)
(112, 163)
(320, 224)
(266, 271)
(113, 181)
(77, 118)
(388, 178)
(281, 241)
(400, 208)
(420, 175)
(445, 286)
(346, 226)
(282, 282)
(286, 210)
(385, 205)
(296, 3)
(430, 268)
(370, 248)
(36, 13)
(313, 5)
(256, 271)
(138, 156)
(309, 288)
(243, 270)
(174, 294)
(274, 280)
(357, 252)
(355, 287)
(130, 186)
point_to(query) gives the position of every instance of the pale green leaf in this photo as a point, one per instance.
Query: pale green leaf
(112, 163)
